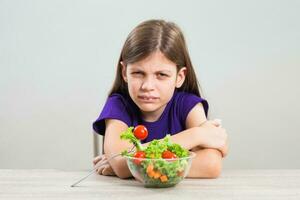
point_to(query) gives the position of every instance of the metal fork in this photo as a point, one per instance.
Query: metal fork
(96, 167)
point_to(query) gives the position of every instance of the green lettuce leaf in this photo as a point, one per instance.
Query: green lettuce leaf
(128, 135)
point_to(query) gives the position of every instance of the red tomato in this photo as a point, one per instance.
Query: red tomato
(168, 155)
(139, 154)
(140, 132)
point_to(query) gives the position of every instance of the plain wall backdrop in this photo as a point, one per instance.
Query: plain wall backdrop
(58, 61)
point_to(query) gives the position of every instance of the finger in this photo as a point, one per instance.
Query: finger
(217, 122)
(96, 159)
(105, 172)
(101, 162)
(111, 173)
(100, 169)
(108, 171)
(224, 149)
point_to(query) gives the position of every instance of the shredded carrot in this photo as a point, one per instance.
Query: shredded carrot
(157, 175)
(149, 168)
(151, 174)
(164, 178)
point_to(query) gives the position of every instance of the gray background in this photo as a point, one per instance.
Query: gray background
(58, 58)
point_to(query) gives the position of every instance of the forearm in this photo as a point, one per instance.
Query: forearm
(120, 167)
(208, 136)
(188, 138)
(206, 164)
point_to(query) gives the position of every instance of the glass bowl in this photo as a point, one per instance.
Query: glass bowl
(159, 172)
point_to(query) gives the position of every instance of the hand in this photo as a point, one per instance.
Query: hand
(104, 169)
(214, 136)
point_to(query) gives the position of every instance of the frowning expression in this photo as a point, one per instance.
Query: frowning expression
(151, 83)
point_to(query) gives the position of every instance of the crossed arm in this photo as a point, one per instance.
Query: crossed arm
(208, 160)
(208, 141)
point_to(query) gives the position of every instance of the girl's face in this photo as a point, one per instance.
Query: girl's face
(151, 83)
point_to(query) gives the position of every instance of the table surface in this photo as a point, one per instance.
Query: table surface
(232, 184)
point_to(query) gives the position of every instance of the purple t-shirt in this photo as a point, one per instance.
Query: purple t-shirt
(171, 121)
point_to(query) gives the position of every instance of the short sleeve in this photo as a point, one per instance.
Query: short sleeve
(114, 108)
(187, 102)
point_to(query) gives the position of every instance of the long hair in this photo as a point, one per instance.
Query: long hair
(151, 36)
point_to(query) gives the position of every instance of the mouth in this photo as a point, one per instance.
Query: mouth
(147, 99)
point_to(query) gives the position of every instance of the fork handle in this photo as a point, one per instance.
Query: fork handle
(96, 167)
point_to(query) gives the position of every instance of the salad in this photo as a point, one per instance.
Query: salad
(161, 163)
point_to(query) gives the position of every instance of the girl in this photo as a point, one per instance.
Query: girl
(156, 86)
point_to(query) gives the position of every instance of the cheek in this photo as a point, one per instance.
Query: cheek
(170, 83)
(133, 84)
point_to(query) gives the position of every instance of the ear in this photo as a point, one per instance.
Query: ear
(180, 77)
(124, 71)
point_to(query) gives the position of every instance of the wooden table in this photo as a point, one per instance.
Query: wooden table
(233, 184)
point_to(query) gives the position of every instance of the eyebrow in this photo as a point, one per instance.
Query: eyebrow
(159, 71)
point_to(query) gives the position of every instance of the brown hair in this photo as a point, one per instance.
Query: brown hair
(151, 36)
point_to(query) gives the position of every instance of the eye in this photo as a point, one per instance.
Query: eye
(162, 75)
(137, 73)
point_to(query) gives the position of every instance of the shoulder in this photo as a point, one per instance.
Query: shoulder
(116, 98)
(196, 116)
(187, 101)
(186, 95)
(189, 105)
(117, 101)
(115, 107)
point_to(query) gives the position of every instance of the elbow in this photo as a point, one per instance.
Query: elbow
(121, 169)
(122, 175)
(214, 171)
(214, 166)
(206, 164)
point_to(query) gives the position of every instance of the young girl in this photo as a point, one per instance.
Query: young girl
(156, 86)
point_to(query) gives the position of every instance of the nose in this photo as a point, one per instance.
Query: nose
(148, 84)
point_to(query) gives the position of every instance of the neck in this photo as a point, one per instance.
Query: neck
(153, 116)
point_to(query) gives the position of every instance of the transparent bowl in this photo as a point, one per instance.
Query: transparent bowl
(159, 172)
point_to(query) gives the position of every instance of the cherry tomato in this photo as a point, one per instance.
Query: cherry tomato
(140, 132)
(168, 155)
(139, 154)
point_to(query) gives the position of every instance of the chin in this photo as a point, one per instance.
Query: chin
(147, 108)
